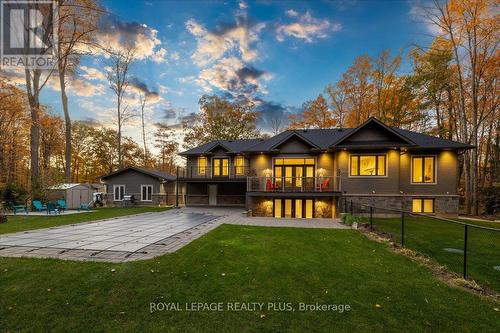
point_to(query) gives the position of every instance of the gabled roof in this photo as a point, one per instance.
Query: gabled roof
(63, 186)
(153, 173)
(333, 138)
(232, 146)
(400, 139)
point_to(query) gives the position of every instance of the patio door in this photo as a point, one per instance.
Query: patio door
(294, 178)
(221, 167)
(294, 208)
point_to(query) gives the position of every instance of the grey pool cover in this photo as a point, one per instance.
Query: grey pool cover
(128, 233)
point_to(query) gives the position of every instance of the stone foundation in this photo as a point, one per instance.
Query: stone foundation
(443, 205)
(263, 206)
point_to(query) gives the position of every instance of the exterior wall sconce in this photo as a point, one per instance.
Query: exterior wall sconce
(268, 173)
(321, 172)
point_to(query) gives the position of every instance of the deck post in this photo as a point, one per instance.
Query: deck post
(371, 218)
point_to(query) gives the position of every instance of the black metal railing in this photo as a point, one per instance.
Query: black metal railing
(211, 172)
(470, 249)
(293, 184)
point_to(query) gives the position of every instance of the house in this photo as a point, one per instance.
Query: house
(149, 187)
(314, 172)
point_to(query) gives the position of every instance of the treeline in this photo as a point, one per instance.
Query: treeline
(451, 92)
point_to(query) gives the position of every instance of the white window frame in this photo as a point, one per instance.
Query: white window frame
(122, 192)
(147, 186)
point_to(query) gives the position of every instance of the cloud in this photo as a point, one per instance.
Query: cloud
(116, 35)
(229, 38)
(175, 56)
(160, 56)
(306, 28)
(92, 74)
(139, 87)
(273, 112)
(231, 75)
(291, 13)
(243, 5)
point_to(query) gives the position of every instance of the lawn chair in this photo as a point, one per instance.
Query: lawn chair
(324, 185)
(61, 204)
(84, 207)
(52, 208)
(38, 206)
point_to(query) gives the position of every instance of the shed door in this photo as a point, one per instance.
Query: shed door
(75, 194)
(84, 196)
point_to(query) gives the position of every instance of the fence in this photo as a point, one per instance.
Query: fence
(471, 249)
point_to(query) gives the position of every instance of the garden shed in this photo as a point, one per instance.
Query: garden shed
(74, 194)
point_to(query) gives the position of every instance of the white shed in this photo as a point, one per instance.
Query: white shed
(73, 193)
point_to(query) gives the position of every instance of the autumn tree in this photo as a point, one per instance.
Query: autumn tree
(337, 95)
(315, 115)
(221, 119)
(167, 148)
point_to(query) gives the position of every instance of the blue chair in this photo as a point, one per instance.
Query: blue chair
(61, 204)
(38, 206)
(51, 208)
(19, 208)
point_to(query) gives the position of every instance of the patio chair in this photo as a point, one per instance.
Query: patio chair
(61, 204)
(324, 185)
(52, 208)
(38, 206)
(19, 208)
(84, 207)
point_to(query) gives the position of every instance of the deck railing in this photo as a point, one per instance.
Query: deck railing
(293, 184)
(209, 172)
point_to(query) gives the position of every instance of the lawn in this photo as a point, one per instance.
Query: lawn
(444, 242)
(23, 222)
(387, 292)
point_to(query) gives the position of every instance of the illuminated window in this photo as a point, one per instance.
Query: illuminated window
(239, 164)
(221, 167)
(294, 161)
(367, 165)
(202, 165)
(423, 206)
(423, 169)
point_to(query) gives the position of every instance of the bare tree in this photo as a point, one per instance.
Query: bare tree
(77, 24)
(142, 104)
(277, 124)
(118, 78)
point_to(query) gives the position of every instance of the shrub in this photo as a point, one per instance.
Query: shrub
(491, 199)
(15, 194)
(349, 219)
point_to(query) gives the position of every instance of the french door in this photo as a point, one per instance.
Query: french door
(294, 178)
(294, 208)
(221, 167)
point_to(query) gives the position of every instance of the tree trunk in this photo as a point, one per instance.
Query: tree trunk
(32, 88)
(67, 124)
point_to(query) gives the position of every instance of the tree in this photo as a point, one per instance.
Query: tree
(337, 95)
(383, 78)
(315, 115)
(118, 78)
(142, 103)
(77, 24)
(167, 146)
(220, 119)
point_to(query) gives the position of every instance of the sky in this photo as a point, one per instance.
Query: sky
(277, 53)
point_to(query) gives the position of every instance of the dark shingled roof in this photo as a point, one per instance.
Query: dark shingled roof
(233, 146)
(153, 173)
(324, 139)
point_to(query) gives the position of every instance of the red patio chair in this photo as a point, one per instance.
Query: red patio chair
(324, 185)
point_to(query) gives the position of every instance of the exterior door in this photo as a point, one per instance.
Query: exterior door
(294, 208)
(221, 167)
(212, 194)
(75, 194)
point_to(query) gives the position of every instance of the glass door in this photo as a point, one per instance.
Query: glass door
(221, 167)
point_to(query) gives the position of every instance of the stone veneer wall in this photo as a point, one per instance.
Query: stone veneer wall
(443, 205)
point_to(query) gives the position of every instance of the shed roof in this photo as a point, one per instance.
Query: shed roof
(153, 173)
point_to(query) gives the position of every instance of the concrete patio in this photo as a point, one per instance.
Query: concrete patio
(66, 212)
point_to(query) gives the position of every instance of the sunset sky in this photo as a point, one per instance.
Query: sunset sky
(278, 54)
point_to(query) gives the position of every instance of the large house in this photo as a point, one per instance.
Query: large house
(310, 173)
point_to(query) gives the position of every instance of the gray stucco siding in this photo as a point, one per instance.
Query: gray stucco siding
(132, 181)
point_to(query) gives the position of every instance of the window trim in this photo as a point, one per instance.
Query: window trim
(423, 166)
(240, 168)
(114, 191)
(386, 175)
(147, 186)
(422, 205)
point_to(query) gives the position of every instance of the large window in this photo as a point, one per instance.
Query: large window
(202, 165)
(221, 167)
(118, 192)
(146, 192)
(423, 169)
(294, 161)
(367, 165)
(239, 164)
(423, 205)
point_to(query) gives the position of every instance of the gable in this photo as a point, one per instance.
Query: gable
(218, 149)
(294, 145)
(373, 133)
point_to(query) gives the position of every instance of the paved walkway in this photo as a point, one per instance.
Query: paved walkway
(136, 237)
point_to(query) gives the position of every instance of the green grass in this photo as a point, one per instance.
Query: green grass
(23, 222)
(259, 264)
(431, 236)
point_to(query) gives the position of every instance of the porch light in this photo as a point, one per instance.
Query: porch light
(267, 172)
(321, 172)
